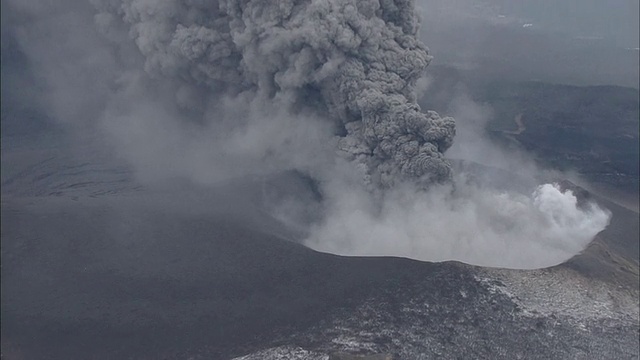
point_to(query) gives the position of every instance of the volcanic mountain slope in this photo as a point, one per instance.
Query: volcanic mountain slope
(110, 277)
(99, 268)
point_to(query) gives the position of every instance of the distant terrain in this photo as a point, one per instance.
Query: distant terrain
(592, 130)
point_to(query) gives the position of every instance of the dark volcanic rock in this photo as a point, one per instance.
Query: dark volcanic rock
(128, 277)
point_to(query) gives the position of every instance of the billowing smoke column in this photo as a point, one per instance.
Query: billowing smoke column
(215, 91)
(353, 61)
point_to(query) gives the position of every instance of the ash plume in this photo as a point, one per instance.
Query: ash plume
(353, 61)
(220, 92)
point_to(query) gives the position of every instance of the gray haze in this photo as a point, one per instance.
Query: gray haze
(616, 21)
(558, 41)
(215, 92)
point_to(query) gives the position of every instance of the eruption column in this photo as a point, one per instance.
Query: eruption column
(355, 62)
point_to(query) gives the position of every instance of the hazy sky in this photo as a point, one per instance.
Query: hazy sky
(615, 20)
(573, 42)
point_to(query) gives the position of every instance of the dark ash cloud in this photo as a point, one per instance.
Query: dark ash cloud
(355, 62)
(219, 91)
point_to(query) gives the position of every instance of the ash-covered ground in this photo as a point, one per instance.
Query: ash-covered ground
(95, 266)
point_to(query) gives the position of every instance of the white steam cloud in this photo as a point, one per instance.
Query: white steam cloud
(218, 90)
(481, 227)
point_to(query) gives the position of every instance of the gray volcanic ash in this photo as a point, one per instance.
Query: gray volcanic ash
(228, 90)
(353, 61)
